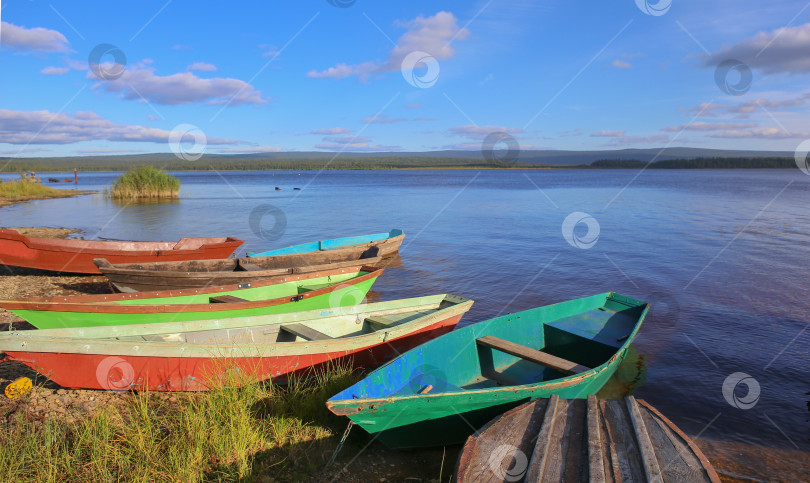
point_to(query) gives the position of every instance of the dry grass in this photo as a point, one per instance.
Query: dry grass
(236, 431)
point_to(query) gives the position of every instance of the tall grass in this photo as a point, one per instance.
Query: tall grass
(26, 187)
(145, 182)
(237, 430)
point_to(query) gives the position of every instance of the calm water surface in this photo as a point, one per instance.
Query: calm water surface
(722, 255)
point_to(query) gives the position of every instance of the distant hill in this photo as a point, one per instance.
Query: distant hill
(301, 160)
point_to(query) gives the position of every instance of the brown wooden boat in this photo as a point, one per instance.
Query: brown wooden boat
(142, 277)
(76, 256)
(583, 440)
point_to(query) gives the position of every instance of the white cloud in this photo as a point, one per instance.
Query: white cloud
(55, 70)
(347, 139)
(479, 132)
(743, 110)
(109, 151)
(32, 40)
(331, 130)
(269, 50)
(433, 35)
(412, 106)
(383, 119)
(258, 149)
(361, 147)
(44, 127)
(181, 88)
(762, 133)
(783, 50)
(622, 64)
(709, 126)
(154, 118)
(607, 134)
(202, 66)
(620, 138)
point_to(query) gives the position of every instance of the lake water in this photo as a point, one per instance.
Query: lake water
(723, 256)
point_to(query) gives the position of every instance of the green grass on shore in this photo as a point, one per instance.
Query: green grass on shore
(145, 182)
(237, 431)
(26, 189)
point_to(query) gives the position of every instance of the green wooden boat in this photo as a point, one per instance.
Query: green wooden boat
(291, 293)
(442, 391)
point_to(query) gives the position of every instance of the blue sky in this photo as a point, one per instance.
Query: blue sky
(401, 76)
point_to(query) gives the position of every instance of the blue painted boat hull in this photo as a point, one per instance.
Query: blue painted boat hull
(387, 242)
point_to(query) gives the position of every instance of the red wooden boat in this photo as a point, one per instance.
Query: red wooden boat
(190, 356)
(76, 256)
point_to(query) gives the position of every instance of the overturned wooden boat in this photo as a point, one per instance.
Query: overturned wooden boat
(291, 293)
(442, 391)
(190, 356)
(140, 277)
(583, 440)
(386, 243)
(76, 256)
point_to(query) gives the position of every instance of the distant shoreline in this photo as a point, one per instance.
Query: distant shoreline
(91, 164)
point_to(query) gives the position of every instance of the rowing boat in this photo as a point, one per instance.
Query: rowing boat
(76, 256)
(440, 392)
(387, 244)
(141, 277)
(290, 293)
(583, 440)
(187, 355)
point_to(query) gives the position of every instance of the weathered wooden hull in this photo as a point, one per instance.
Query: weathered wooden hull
(577, 440)
(293, 293)
(131, 362)
(76, 256)
(386, 243)
(465, 380)
(141, 277)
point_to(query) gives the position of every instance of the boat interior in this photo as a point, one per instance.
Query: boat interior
(528, 347)
(300, 327)
(250, 264)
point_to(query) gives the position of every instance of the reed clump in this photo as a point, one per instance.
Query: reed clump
(145, 182)
(238, 430)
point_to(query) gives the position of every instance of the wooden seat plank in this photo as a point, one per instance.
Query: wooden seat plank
(226, 299)
(305, 332)
(557, 363)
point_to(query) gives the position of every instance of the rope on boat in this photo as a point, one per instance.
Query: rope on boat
(340, 445)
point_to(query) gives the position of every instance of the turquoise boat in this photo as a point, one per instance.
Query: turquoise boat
(442, 391)
(386, 244)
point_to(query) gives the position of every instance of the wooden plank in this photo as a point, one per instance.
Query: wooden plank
(651, 468)
(596, 469)
(305, 332)
(624, 453)
(380, 322)
(676, 433)
(226, 299)
(537, 462)
(557, 363)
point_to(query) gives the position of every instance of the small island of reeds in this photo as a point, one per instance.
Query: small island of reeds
(145, 182)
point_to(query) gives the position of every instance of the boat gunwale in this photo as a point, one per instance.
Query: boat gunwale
(75, 345)
(108, 306)
(566, 381)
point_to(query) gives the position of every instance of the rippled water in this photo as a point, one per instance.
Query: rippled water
(722, 255)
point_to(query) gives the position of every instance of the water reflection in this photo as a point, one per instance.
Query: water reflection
(630, 374)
